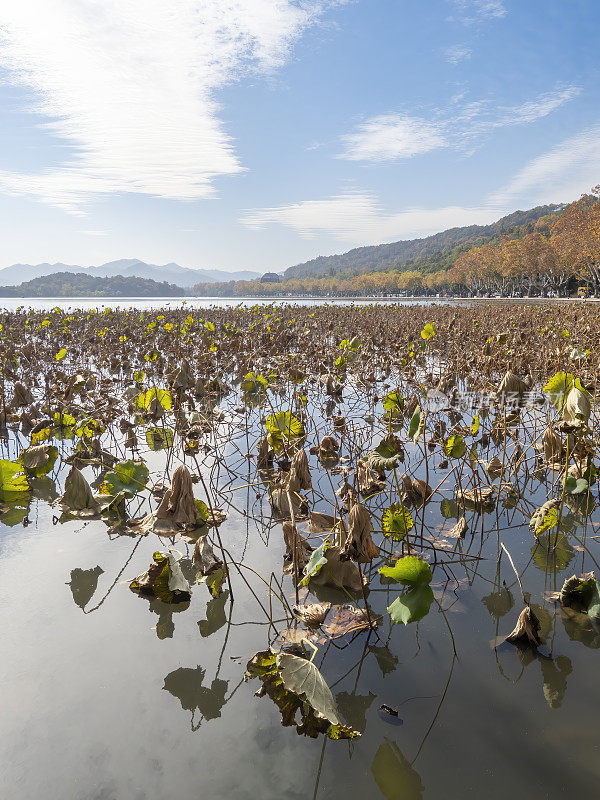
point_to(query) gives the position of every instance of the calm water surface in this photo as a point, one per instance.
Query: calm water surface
(107, 696)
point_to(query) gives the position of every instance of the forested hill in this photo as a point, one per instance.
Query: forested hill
(426, 255)
(68, 284)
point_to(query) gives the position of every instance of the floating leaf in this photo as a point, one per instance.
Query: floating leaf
(409, 570)
(455, 447)
(12, 477)
(397, 521)
(61, 354)
(128, 477)
(159, 438)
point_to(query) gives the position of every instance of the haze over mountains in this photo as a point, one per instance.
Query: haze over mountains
(433, 248)
(127, 267)
(430, 254)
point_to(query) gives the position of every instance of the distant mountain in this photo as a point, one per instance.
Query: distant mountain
(127, 267)
(428, 254)
(77, 284)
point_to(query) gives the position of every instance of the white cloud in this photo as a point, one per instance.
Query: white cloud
(392, 136)
(457, 53)
(130, 85)
(563, 173)
(560, 175)
(486, 9)
(536, 109)
(95, 233)
(357, 217)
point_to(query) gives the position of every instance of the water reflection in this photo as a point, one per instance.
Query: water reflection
(386, 660)
(215, 615)
(185, 684)
(552, 552)
(499, 603)
(84, 583)
(395, 776)
(165, 627)
(579, 627)
(354, 707)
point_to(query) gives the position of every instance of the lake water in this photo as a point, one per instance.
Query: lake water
(110, 696)
(142, 303)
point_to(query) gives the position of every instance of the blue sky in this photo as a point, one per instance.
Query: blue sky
(255, 134)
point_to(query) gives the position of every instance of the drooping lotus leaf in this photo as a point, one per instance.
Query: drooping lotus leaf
(582, 594)
(380, 464)
(545, 517)
(389, 447)
(301, 676)
(163, 579)
(129, 477)
(77, 499)
(38, 461)
(264, 665)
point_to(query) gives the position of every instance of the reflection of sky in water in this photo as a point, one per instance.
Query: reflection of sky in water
(110, 695)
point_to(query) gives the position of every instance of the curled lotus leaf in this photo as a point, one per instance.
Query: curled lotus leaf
(265, 665)
(39, 460)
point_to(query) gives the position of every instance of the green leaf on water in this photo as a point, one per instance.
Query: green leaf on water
(397, 521)
(12, 477)
(455, 447)
(159, 438)
(409, 570)
(128, 477)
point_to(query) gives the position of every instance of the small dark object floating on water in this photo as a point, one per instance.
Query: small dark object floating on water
(389, 715)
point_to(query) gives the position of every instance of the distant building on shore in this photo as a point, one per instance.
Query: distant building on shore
(270, 277)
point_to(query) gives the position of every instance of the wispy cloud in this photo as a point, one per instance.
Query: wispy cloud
(358, 218)
(560, 175)
(563, 173)
(472, 10)
(95, 233)
(391, 137)
(457, 53)
(130, 86)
